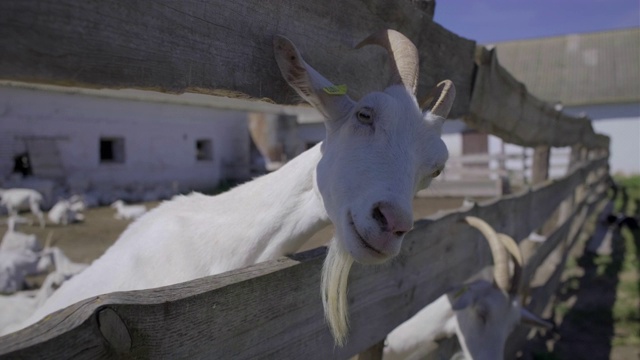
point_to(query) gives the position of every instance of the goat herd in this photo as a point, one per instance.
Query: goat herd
(378, 152)
(21, 254)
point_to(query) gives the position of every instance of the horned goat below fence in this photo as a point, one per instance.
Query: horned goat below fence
(14, 198)
(378, 152)
(481, 313)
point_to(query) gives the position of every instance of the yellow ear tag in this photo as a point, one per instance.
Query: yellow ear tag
(460, 292)
(336, 89)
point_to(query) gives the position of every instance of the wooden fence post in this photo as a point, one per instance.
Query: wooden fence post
(540, 169)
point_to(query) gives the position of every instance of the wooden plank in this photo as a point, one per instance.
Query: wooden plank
(482, 188)
(502, 106)
(273, 309)
(219, 47)
(542, 295)
(540, 167)
(568, 229)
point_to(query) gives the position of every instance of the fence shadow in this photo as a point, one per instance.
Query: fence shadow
(585, 302)
(587, 328)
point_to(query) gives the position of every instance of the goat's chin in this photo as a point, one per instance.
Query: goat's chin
(335, 274)
(366, 250)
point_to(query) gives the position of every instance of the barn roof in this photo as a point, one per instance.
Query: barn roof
(578, 69)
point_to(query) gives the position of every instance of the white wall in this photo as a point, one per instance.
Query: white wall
(621, 122)
(454, 143)
(625, 143)
(159, 137)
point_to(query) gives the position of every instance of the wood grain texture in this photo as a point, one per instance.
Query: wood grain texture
(219, 47)
(273, 309)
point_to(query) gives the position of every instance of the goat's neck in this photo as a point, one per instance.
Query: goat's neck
(284, 208)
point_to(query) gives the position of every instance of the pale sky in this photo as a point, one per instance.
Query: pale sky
(489, 21)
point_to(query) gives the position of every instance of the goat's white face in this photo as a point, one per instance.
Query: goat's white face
(486, 316)
(374, 160)
(378, 152)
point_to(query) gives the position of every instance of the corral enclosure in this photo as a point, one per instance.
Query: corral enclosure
(274, 309)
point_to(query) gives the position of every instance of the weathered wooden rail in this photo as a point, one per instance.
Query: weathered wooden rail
(273, 309)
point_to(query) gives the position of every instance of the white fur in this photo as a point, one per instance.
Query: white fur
(13, 240)
(335, 273)
(14, 268)
(14, 198)
(480, 314)
(65, 212)
(16, 308)
(361, 173)
(128, 212)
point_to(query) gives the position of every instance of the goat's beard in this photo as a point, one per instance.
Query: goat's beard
(335, 274)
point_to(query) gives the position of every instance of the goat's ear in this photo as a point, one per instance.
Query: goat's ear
(327, 98)
(439, 102)
(461, 297)
(530, 319)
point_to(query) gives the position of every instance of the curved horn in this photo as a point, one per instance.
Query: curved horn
(498, 252)
(403, 57)
(440, 100)
(514, 250)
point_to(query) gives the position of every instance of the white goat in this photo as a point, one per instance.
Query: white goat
(21, 256)
(128, 212)
(14, 199)
(15, 266)
(65, 212)
(16, 308)
(13, 240)
(481, 313)
(378, 152)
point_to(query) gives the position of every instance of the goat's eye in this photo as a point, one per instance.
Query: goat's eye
(436, 173)
(365, 115)
(482, 313)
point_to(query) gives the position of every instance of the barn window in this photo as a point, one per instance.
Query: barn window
(112, 150)
(204, 150)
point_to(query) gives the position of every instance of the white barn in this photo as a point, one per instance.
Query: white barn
(593, 74)
(90, 139)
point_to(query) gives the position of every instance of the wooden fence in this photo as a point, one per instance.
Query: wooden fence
(489, 175)
(273, 309)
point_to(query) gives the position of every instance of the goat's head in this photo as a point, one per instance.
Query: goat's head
(487, 311)
(378, 152)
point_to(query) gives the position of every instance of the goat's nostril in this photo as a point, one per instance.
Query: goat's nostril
(379, 217)
(391, 219)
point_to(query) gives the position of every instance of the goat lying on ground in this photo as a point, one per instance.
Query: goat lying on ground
(18, 307)
(15, 198)
(378, 152)
(481, 313)
(20, 257)
(128, 212)
(66, 212)
(13, 240)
